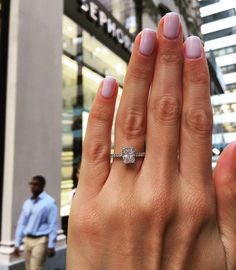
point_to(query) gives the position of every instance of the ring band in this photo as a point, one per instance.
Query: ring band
(128, 155)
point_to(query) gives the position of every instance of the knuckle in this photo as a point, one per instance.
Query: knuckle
(169, 56)
(197, 75)
(99, 116)
(199, 121)
(119, 212)
(96, 151)
(198, 210)
(132, 124)
(154, 206)
(139, 72)
(85, 224)
(166, 109)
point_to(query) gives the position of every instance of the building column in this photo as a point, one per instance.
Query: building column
(33, 109)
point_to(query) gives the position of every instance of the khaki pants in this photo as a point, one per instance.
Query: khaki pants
(35, 252)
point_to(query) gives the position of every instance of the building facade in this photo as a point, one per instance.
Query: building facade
(56, 54)
(31, 122)
(219, 33)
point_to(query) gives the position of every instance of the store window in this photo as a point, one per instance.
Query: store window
(123, 11)
(72, 107)
(85, 62)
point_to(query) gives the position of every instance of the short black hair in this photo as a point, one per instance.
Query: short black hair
(40, 179)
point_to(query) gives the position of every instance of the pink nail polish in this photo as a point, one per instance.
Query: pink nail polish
(108, 87)
(193, 47)
(148, 41)
(171, 25)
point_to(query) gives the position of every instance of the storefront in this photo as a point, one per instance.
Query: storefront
(95, 44)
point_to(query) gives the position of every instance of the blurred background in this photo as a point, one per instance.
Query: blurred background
(53, 56)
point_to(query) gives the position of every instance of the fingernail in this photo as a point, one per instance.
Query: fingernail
(171, 25)
(148, 41)
(193, 47)
(108, 87)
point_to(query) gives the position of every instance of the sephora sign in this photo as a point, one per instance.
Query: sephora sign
(95, 19)
(109, 24)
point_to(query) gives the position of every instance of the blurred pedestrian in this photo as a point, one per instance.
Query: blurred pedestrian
(38, 225)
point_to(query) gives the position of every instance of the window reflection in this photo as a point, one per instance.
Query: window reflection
(72, 107)
(123, 11)
(224, 108)
(85, 62)
(225, 128)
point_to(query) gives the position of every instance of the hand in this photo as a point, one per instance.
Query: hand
(161, 212)
(51, 252)
(16, 252)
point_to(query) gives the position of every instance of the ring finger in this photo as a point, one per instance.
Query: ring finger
(130, 127)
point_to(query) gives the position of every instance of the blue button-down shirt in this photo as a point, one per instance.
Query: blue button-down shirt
(38, 217)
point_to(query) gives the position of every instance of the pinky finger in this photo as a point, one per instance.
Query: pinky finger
(95, 165)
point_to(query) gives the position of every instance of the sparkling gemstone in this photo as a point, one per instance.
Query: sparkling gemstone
(128, 155)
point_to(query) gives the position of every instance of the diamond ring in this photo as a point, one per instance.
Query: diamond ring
(128, 155)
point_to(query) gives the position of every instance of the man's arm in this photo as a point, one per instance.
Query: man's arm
(53, 226)
(20, 231)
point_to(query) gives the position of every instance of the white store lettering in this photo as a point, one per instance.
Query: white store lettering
(111, 27)
(93, 11)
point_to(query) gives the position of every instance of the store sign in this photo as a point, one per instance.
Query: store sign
(92, 16)
(103, 20)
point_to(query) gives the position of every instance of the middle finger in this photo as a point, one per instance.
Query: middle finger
(166, 95)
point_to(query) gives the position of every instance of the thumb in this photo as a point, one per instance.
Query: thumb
(225, 184)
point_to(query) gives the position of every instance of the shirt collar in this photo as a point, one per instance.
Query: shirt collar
(41, 195)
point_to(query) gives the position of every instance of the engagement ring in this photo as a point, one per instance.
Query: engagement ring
(128, 155)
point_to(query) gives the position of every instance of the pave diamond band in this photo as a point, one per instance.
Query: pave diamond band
(128, 155)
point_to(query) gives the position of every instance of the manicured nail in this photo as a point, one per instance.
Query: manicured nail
(193, 47)
(108, 87)
(171, 25)
(148, 41)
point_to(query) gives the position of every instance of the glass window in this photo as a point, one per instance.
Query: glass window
(85, 62)
(231, 87)
(228, 69)
(91, 81)
(224, 108)
(101, 59)
(224, 128)
(72, 107)
(123, 11)
(220, 33)
(204, 3)
(224, 51)
(98, 61)
(219, 15)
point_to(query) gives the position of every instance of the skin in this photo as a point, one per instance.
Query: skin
(168, 211)
(35, 188)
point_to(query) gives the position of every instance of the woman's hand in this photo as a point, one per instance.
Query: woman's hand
(161, 212)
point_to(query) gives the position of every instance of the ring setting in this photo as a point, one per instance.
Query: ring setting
(128, 155)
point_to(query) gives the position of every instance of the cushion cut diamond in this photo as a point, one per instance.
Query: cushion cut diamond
(128, 155)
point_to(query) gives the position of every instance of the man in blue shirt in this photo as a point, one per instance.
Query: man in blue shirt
(38, 224)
